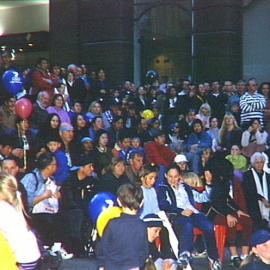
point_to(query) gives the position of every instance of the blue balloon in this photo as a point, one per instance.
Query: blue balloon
(99, 203)
(12, 81)
(152, 75)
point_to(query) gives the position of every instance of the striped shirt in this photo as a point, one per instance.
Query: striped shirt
(252, 106)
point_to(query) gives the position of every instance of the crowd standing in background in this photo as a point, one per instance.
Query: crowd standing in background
(87, 136)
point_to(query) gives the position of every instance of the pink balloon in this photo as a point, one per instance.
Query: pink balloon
(23, 108)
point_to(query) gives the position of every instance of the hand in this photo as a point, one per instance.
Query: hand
(47, 194)
(56, 195)
(167, 265)
(241, 213)
(187, 212)
(250, 129)
(231, 221)
(266, 203)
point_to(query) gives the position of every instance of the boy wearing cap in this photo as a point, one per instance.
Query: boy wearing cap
(154, 226)
(86, 148)
(157, 152)
(78, 190)
(260, 244)
(182, 162)
(54, 146)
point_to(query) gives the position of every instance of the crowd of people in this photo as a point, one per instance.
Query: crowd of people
(198, 152)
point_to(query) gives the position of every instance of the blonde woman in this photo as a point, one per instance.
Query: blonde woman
(230, 133)
(14, 226)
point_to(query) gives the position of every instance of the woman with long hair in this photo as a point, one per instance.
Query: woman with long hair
(103, 153)
(228, 206)
(80, 128)
(50, 128)
(230, 133)
(13, 224)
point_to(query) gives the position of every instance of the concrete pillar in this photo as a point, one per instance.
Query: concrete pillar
(96, 33)
(217, 40)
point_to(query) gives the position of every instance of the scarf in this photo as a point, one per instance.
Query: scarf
(263, 191)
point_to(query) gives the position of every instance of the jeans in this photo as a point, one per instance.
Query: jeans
(187, 224)
(196, 162)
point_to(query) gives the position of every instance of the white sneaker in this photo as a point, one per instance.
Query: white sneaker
(65, 255)
(57, 247)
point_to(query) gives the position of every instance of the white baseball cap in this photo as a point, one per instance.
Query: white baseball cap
(180, 158)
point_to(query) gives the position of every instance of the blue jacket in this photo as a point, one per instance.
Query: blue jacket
(203, 140)
(124, 244)
(62, 173)
(167, 200)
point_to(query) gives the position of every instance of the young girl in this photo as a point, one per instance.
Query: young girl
(238, 161)
(149, 176)
(14, 226)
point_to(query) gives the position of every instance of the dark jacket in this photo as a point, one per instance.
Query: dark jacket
(252, 198)
(110, 183)
(77, 193)
(124, 244)
(167, 200)
(221, 202)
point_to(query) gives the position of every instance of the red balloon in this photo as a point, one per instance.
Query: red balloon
(23, 108)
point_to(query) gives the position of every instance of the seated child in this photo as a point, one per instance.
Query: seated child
(62, 173)
(124, 243)
(136, 145)
(201, 192)
(154, 226)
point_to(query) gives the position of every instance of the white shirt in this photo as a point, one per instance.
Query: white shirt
(182, 200)
(14, 227)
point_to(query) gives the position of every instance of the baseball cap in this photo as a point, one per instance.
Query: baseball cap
(259, 237)
(156, 133)
(180, 158)
(66, 127)
(152, 220)
(86, 139)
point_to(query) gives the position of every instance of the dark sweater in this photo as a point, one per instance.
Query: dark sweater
(256, 265)
(124, 244)
(110, 183)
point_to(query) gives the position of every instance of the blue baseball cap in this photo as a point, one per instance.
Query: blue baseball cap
(259, 237)
(86, 139)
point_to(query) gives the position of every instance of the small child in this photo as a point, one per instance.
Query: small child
(54, 146)
(136, 145)
(201, 193)
(238, 161)
(124, 244)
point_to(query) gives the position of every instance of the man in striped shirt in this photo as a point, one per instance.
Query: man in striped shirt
(252, 105)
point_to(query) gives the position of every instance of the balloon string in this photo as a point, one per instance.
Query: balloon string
(24, 159)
